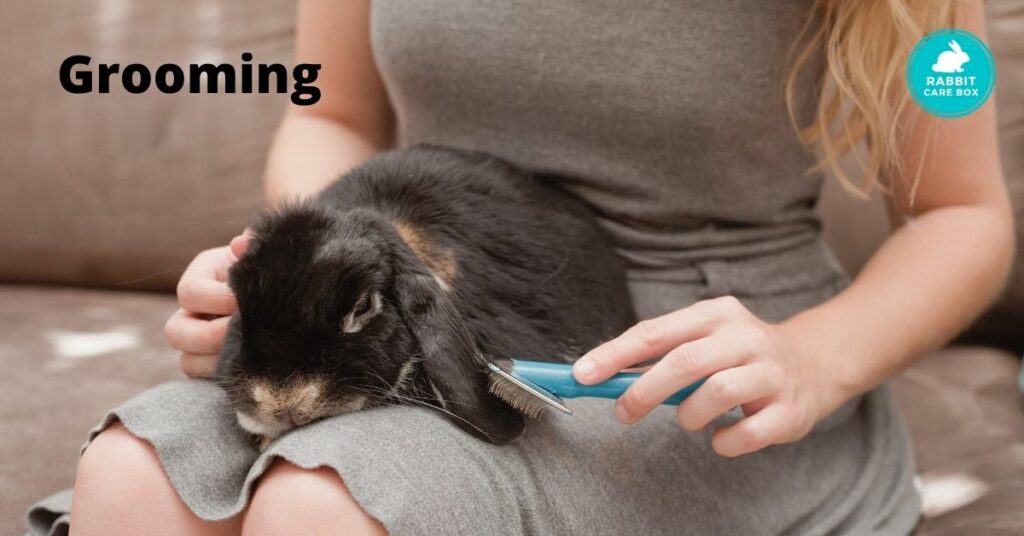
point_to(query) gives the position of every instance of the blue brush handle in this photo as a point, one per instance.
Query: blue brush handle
(557, 378)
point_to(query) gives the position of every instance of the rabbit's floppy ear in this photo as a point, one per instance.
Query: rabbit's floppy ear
(955, 46)
(453, 367)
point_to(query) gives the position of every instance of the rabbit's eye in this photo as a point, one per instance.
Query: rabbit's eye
(363, 306)
(366, 307)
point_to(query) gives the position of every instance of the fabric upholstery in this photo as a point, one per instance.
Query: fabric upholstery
(122, 190)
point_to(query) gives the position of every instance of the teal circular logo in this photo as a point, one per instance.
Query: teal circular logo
(951, 73)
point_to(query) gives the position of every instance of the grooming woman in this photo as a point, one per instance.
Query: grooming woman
(670, 119)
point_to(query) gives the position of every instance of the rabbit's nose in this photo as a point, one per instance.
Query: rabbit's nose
(294, 404)
(294, 417)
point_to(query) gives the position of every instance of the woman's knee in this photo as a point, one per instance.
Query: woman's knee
(121, 488)
(292, 500)
(116, 466)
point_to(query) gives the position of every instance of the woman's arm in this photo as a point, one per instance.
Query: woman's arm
(940, 268)
(351, 121)
(947, 259)
(935, 274)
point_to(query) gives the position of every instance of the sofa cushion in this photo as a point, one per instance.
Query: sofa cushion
(123, 190)
(67, 356)
(964, 412)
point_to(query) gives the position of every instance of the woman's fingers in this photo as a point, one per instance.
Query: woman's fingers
(682, 366)
(723, 391)
(213, 262)
(203, 288)
(203, 291)
(199, 293)
(647, 340)
(772, 425)
(239, 244)
(199, 340)
(745, 362)
(198, 365)
(194, 335)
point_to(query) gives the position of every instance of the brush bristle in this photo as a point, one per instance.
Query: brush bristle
(513, 395)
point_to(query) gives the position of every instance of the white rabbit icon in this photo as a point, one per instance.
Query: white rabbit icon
(951, 61)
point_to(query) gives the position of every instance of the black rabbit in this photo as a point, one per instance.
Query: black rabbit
(397, 282)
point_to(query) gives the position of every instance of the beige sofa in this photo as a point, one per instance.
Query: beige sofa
(104, 199)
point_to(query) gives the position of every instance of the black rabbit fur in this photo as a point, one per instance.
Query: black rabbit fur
(400, 280)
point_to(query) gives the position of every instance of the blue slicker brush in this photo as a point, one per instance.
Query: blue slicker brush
(532, 386)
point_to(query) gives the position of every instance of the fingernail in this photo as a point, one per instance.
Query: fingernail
(621, 413)
(585, 369)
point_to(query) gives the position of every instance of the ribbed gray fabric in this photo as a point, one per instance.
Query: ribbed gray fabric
(667, 117)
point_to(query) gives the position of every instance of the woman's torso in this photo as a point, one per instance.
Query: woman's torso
(668, 117)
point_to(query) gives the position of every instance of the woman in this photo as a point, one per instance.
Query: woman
(670, 120)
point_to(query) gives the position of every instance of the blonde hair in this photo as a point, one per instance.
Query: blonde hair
(862, 94)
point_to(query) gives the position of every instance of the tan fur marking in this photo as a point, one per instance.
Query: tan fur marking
(302, 397)
(440, 260)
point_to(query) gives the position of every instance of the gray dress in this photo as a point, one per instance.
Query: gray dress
(667, 117)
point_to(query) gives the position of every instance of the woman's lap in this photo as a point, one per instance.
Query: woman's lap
(416, 473)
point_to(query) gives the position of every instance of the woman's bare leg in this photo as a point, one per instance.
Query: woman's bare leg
(292, 500)
(121, 488)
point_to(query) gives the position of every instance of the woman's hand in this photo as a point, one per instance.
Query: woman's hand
(199, 326)
(747, 363)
